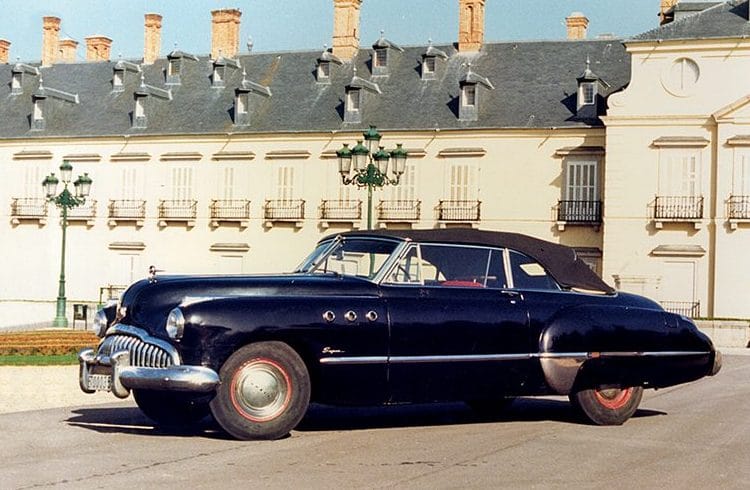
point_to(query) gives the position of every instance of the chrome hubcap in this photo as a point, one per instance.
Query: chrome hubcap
(261, 390)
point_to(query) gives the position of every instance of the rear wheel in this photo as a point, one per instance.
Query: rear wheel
(264, 392)
(171, 409)
(607, 406)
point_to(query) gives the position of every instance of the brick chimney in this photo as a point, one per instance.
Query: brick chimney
(664, 7)
(225, 33)
(577, 24)
(50, 39)
(98, 48)
(151, 38)
(67, 50)
(346, 28)
(4, 51)
(470, 25)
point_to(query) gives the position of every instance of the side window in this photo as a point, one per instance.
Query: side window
(458, 266)
(529, 274)
(496, 277)
(412, 269)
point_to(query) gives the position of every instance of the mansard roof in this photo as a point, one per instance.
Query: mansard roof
(724, 20)
(535, 86)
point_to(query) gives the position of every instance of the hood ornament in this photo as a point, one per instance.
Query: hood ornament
(152, 270)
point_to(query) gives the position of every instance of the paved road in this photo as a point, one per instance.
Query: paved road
(692, 436)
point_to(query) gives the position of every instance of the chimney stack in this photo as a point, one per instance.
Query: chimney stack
(151, 38)
(98, 48)
(67, 50)
(225, 33)
(50, 39)
(346, 28)
(664, 7)
(577, 24)
(470, 25)
(4, 51)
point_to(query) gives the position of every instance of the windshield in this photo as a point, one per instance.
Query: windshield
(360, 257)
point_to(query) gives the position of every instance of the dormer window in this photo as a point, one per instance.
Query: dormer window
(587, 93)
(353, 104)
(468, 108)
(218, 76)
(173, 70)
(37, 116)
(241, 106)
(139, 113)
(16, 83)
(429, 61)
(469, 95)
(117, 79)
(323, 71)
(381, 55)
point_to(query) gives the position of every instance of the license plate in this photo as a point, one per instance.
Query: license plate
(100, 382)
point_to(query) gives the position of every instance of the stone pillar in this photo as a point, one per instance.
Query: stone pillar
(225, 33)
(346, 28)
(151, 38)
(470, 25)
(4, 51)
(577, 24)
(67, 50)
(98, 48)
(50, 39)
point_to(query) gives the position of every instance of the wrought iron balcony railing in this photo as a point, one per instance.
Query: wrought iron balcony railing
(84, 212)
(739, 207)
(678, 208)
(284, 210)
(177, 210)
(408, 210)
(230, 210)
(587, 212)
(341, 210)
(459, 210)
(124, 209)
(690, 309)
(28, 208)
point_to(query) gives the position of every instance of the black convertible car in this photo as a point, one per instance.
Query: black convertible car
(391, 317)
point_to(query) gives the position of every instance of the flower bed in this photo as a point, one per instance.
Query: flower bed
(45, 342)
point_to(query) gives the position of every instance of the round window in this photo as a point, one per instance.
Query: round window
(681, 76)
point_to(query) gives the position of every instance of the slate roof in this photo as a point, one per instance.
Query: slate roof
(534, 86)
(728, 19)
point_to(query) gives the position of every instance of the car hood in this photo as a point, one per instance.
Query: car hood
(147, 303)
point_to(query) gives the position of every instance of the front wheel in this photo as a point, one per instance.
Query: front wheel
(264, 392)
(607, 406)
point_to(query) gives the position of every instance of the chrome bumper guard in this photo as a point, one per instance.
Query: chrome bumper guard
(717, 363)
(114, 373)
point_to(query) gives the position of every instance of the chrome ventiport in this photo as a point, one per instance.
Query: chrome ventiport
(372, 315)
(350, 316)
(329, 316)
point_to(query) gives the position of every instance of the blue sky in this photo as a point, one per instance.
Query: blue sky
(279, 25)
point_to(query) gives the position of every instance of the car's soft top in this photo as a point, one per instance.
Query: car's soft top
(560, 261)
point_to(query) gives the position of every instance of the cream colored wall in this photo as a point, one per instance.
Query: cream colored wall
(649, 108)
(519, 184)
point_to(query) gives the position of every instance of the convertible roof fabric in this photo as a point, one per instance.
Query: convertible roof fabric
(560, 261)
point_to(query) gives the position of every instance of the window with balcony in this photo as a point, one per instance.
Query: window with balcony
(581, 203)
(679, 197)
(32, 205)
(181, 207)
(461, 204)
(739, 200)
(401, 203)
(129, 207)
(230, 207)
(286, 207)
(343, 208)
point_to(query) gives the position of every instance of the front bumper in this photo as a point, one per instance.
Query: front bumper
(115, 367)
(717, 363)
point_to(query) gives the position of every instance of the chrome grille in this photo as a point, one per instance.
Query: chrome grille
(142, 353)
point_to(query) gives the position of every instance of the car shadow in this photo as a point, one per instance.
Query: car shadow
(130, 420)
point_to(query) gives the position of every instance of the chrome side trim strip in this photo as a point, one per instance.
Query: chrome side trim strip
(581, 356)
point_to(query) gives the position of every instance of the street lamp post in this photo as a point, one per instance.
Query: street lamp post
(366, 165)
(65, 201)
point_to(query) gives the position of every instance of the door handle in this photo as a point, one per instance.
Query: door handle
(513, 295)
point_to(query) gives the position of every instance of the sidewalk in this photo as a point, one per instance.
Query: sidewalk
(25, 388)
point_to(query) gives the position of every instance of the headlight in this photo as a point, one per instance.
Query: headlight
(175, 324)
(100, 323)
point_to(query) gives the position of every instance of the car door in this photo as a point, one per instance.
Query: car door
(457, 331)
